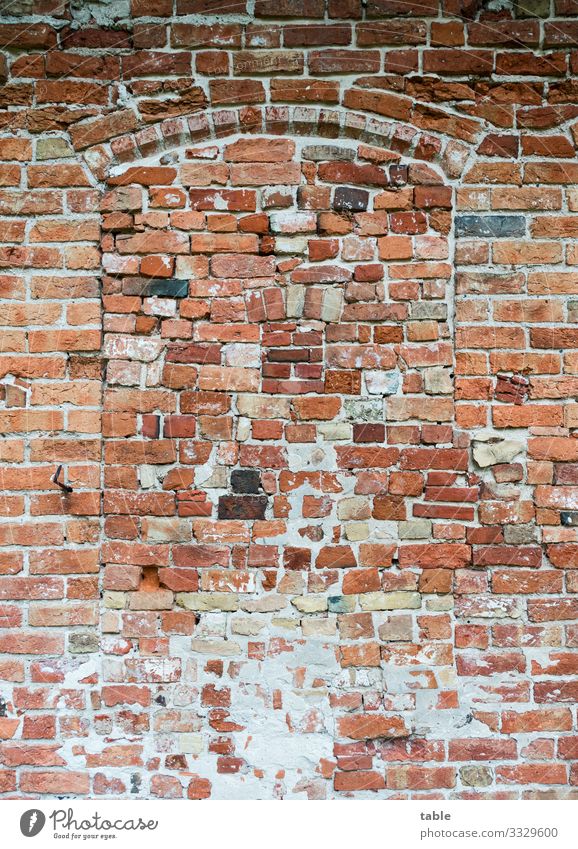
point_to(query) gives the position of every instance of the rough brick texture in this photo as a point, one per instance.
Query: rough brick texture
(288, 289)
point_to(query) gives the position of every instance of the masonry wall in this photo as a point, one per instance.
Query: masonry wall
(288, 290)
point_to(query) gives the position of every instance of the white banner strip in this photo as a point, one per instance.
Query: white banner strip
(299, 825)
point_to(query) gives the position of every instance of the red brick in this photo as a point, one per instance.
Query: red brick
(70, 782)
(371, 726)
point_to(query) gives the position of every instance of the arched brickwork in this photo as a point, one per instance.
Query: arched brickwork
(446, 139)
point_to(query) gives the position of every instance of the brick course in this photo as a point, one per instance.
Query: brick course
(288, 290)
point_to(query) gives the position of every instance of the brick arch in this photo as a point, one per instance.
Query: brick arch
(424, 133)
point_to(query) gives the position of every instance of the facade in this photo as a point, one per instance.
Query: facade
(289, 291)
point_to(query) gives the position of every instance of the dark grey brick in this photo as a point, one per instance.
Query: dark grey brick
(170, 288)
(348, 199)
(242, 506)
(245, 480)
(491, 226)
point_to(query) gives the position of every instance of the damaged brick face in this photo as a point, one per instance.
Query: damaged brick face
(305, 347)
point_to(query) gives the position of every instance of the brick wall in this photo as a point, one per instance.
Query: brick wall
(287, 288)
